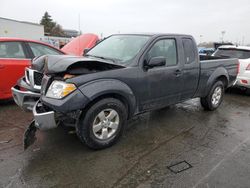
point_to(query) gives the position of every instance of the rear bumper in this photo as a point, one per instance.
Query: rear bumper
(243, 82)
(44, 119)
(25, 99)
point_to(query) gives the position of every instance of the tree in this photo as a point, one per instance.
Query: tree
(47, 22)
(51, 27)
(57, 31)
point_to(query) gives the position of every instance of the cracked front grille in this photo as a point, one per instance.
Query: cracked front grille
(38, 78)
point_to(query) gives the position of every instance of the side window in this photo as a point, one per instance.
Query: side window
(39, 49)
(11, 50)
(165, 48)
(189, 53)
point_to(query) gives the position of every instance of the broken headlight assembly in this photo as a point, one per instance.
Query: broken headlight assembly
(60, 89)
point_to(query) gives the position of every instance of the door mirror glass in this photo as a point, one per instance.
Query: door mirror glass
(156, 62)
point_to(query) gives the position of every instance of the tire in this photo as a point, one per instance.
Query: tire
(214, 98)
(248, 91)
(108, 129)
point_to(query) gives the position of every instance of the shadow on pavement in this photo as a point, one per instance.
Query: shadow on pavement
(238, 91)
(6, 102)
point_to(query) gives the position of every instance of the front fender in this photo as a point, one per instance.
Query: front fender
(100, 87)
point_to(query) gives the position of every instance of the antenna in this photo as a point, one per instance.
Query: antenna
(79, 28)
(222, 35)
(79, 23)
(243, 40)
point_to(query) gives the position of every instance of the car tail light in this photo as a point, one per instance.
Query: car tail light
(244, 81)
(248, 67)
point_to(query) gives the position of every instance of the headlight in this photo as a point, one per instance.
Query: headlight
(59, 89)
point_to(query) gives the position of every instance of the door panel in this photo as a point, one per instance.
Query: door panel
(10, 71)
(191, 70)
(163, 82)
(12, 63)
(164, 87)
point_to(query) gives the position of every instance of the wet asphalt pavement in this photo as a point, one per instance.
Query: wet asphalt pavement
(216, 145)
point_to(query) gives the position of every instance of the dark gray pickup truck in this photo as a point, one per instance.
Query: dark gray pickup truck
(122, 76)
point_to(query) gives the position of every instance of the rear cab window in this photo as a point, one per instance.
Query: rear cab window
(11, 50)
(189, 53)
(40, 49)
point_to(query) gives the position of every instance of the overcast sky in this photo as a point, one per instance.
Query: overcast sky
(195, 17)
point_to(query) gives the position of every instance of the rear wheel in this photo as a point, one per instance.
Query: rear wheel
(103, 123)
(214, 98)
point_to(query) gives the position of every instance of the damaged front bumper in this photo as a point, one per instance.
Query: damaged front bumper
(48, 113)
(44, 120)
(25, 99)
(25, 95)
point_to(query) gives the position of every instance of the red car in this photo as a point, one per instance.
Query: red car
(16, 54)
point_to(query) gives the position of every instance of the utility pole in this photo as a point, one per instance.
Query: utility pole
(201, 38)
(79, 24)
(243, 40)
(222, 36)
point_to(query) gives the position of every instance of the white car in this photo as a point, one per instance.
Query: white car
(243, 54)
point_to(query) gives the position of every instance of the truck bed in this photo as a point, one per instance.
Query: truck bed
(212, 66)
(209, 57)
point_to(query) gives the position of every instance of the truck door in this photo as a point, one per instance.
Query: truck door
(163, 82)
(191, 70)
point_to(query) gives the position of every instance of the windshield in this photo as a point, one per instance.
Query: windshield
(233, 53)
(119, 48)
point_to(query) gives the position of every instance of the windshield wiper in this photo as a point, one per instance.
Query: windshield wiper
(101, 57)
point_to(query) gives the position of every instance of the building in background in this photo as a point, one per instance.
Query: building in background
(58, 42)
(71, 33)
(34, 31)
(20, 29)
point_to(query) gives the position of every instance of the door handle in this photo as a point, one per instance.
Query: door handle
(178, 72)
(1, 66)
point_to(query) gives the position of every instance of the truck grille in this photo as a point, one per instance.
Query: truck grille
(33, 78)
(38, 78)
(27, 76)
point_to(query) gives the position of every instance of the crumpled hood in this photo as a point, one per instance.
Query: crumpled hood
(51, 64)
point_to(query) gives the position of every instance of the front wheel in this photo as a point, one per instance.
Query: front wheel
(214, 98)
(103, 123)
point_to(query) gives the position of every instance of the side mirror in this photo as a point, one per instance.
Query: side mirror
(156, 62)
(86, 50)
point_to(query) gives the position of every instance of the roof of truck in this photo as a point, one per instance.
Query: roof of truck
(154, 34)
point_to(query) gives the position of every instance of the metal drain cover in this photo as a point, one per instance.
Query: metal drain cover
(179, 167)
